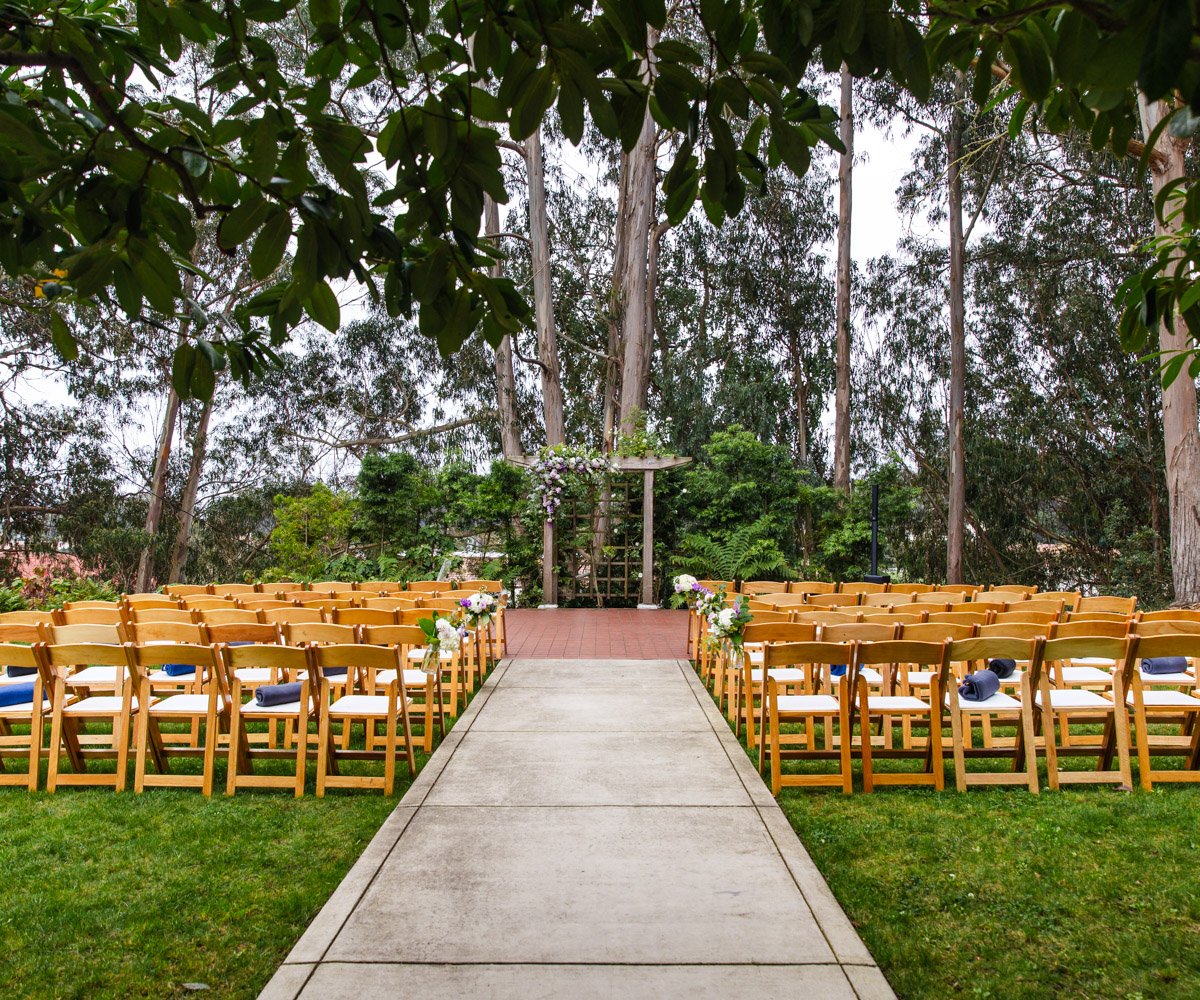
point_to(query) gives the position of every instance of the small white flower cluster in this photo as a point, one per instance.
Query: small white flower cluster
(448, 634)
(556, 467)
(685, 583)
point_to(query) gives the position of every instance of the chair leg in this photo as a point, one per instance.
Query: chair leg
(56, 732)
(140, 738)
(324, 742)
(389, 761)
(236, 735)
(301, 747)
(430, 693)
(845, 757)
(1142, 734)
(212, 735)
(956, 735)
(36, 735)
(864, 727)
(121, 737)
(1121, 721)
(776, 770)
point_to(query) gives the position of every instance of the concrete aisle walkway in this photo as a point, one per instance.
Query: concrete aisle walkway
(588, 829)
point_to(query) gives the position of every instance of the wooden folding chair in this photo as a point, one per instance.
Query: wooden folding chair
(749, 685)
(916, 682)
(1167, 615)
(976, 617)
(228, 616)
(451, 661)
(1070, 598)
(278, 665)
(806, 707)
(391, 708)
(291, 615)
(1165, 626)
(208, 706)
(26, 618)
(364, 616)
(765, 587)
(1020, 589)
(1058, 707)
(88, 616)
(1107, 605)
(804, 587)
(866, 631)
(234, 589)
(934, 657)
(859, 587)
(427, 587)
(118, 706)
(187, 589)
(427, 685)
(23, 670)
(1001, 707)
(380, 586)
(1164, 697)
(89, 677)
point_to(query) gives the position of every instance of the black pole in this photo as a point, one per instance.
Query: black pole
(874, 529)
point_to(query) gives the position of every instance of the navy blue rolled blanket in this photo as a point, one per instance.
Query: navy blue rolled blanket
(277, 694)
(1002, 668)
(16, 694)
(838, 669)
(21, 671)
(1164, 665)
(979, 686)
(179, 669)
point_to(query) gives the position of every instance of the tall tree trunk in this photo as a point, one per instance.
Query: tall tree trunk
(841, 432)
(651, 287)
(612, 364)
(187, 506)
(799, 400)
(1181, 438)
(956, 480)
(506, 386)
(543, 292)
(636, 346)
(158, 485)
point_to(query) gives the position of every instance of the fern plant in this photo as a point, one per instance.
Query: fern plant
(746, 553)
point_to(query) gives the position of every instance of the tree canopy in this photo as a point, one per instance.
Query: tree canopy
(360, 139)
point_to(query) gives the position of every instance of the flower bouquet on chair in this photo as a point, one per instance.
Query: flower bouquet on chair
(444, 634)
(726, 625)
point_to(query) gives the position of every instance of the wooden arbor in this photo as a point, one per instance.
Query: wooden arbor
(647, 466)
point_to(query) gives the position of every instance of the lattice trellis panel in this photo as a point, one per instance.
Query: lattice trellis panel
(607, 574)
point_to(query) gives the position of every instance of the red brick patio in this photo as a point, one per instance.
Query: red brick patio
(605, 633)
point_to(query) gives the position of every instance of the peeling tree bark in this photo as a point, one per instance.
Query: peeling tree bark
(956, 480)
(506, 386)
(543, 292)
(187, 505)
(637, 346)
(1181, 437)
(841, 432)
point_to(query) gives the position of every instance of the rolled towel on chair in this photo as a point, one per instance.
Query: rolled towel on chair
(277, 694)
(20, 671)
(16, 694)
(979, 686)
(243, 642)
(1002, 668)
(179, 669)
(1165, 665)
(838, 669)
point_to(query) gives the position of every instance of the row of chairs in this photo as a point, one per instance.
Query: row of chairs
(380, 611)
(951, 600)
(382, 587)
(800, 689)
(1013, 591)
(379, 675)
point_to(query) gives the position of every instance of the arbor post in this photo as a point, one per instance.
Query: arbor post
(549, 577)
(648, 541)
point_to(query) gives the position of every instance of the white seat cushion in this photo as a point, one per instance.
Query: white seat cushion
(95, 677)
(254, 708)
(897, 703)
(1085, 675)
(1092, 661)
(21, 711)
(253, 675)
(787, 675)
(873, 677)
(919, 678)
(808, 704)
(98, 705)
(1168, 680)
(185, 704)
(999, 702)
(1076, 701)
(360, 705)
(412, 678)
(20, 679)
(1168, 699)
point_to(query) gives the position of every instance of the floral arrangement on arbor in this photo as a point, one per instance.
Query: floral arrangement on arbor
(557, 468)
(478, 609)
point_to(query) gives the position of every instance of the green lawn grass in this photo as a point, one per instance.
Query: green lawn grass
(124, 895)
(1091, 893)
